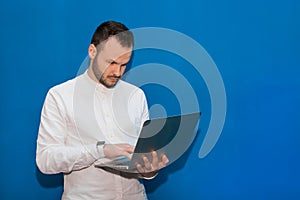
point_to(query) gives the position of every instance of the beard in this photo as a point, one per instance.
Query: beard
(103, 80)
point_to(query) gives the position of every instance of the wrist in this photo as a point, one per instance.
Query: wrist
(100, 148)
(149, 175)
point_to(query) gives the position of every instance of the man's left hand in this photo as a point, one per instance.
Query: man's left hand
(150, 169)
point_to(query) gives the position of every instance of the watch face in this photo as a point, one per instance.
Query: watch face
(100, 143)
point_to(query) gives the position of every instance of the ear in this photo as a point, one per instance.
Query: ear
(92, 50)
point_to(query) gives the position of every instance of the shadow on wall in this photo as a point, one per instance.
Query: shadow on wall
(56, 180)
(152, 185)
(49, 181)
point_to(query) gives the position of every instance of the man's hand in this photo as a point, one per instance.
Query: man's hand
(116, 150)
(149, 169)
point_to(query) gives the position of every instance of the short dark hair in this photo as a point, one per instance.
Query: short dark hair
(113, 28)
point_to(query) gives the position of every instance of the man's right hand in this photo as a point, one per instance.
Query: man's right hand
(116, 150)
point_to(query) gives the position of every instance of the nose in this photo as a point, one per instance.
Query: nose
(117, 70)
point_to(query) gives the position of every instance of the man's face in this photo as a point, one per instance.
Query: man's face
(110, 62)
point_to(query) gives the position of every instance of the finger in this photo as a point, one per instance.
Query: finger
(122, 150)
(126, 154)
(140, 168)
(129, 150)
(154, 160)
(147, 163)
(127, 147)
(165, 159)
(164, 162)
(161, 165)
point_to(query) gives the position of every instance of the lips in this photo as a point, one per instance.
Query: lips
(114, 79)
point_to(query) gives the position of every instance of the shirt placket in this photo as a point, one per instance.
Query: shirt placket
(108, 116)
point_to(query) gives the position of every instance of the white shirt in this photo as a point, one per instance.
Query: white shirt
(78, 113)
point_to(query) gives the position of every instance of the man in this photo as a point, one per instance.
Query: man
(96, 116)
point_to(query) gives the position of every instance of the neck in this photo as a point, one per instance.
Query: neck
(91, 74)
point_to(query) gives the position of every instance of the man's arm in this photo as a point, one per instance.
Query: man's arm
(52, 154)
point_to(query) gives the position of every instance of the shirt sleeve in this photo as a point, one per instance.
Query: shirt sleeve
(52, 154)
(144, 108)
(139, 105)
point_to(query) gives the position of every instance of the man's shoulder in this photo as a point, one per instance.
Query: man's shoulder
(63, 87)
(130, 87)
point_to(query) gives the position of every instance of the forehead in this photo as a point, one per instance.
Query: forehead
(113, 50)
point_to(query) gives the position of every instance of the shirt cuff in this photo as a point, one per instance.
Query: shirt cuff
(96, 150)
(149, 178)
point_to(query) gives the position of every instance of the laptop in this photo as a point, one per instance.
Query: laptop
(170, 136)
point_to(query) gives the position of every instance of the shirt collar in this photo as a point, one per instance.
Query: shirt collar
(98, 86)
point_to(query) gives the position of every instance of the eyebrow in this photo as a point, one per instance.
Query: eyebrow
(114, 62)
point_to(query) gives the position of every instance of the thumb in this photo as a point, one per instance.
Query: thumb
(127, 155)
(127, 150)
(126, 147)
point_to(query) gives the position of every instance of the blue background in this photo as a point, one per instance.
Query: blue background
(256, 46)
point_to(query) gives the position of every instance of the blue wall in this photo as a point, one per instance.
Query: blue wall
(256, 46)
